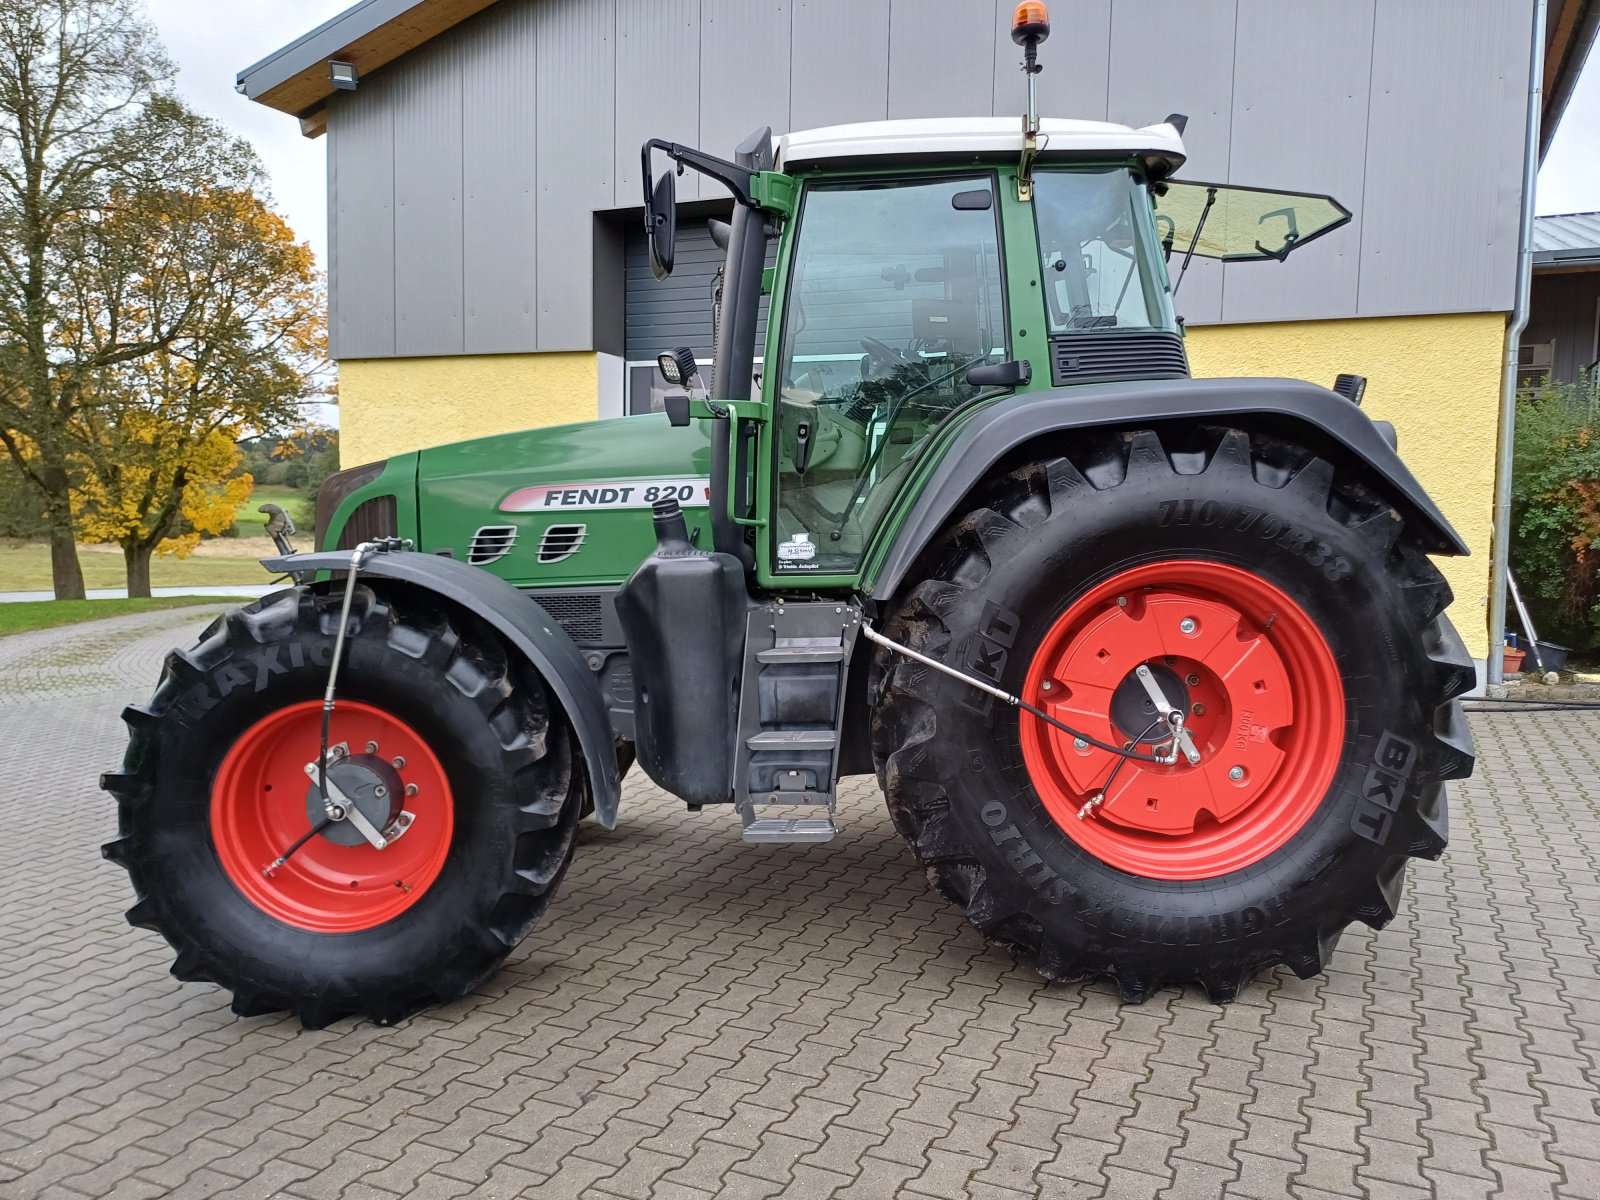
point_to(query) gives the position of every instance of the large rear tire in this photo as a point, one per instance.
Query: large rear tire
(440, 725)
(1282, 607)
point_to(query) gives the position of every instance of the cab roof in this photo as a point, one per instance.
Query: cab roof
(965, 139)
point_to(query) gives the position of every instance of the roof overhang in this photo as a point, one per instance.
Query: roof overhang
(371, 34)
(1571, 29)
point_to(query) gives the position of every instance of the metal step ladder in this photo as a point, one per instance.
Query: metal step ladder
(797, 660)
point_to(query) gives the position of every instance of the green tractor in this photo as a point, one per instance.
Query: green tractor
(1154, 672)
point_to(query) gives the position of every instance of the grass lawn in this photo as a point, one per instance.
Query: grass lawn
(25, 566)
(47, 614)
(297, 504)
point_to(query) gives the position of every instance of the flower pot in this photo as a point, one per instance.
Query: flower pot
(1512, 660)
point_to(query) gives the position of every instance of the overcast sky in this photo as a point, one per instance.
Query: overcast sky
(212, 41)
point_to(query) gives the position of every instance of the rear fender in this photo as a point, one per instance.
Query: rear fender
(526, 627)
(1325, 421)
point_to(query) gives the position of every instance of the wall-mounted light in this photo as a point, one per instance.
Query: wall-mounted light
(343, 75)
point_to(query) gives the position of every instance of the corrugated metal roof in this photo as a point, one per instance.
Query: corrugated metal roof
(1570, 239)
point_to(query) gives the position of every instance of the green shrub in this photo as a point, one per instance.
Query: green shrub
(1555, 510)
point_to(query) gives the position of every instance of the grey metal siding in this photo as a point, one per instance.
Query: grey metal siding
(500, 197)
(819, 58)
(427, 205)
(1325, 90)
(1443, 183)
(465, 178)
(361, 230)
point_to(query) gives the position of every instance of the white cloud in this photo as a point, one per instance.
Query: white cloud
(1569, 179)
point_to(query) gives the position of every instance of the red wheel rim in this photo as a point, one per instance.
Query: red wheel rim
(258, 810)
(1266, 712)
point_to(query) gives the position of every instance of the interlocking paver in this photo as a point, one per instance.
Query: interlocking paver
(698, 1018)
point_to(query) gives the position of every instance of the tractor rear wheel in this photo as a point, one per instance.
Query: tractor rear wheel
(446, 746)
(1279, 606)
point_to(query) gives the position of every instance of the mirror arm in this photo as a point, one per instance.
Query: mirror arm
(738, 180)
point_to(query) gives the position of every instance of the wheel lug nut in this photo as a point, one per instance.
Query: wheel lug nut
(1236, 774)
(1122, 602)
(1199, 710)
(411, 789)
(1046, 686)
(1079, 744)
(399, 763)
(372, 747)
(1187, 625)
(1194, 681)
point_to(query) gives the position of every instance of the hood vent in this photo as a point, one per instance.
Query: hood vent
(491, 543)
(561, 542)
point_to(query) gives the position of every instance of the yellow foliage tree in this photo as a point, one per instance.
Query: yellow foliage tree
(155, 439)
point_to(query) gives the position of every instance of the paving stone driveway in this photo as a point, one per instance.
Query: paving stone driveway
(699, 1018)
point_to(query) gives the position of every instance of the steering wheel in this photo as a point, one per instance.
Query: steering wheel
(882, 354)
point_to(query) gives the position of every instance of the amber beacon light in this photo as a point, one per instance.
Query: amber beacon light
(1030, 25)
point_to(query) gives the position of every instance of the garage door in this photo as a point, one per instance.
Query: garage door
(674, 312)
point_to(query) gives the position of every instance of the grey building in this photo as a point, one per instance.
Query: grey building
(483, 171)
(1562, 340)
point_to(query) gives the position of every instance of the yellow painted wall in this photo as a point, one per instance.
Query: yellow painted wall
(1436, 377)
(390, 405)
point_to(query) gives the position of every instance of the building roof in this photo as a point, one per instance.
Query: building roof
(373, 33)
(1568, 240)
(1160, 146)
(370, 34)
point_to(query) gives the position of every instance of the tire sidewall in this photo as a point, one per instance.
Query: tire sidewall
(1285, 535)
(258, 679)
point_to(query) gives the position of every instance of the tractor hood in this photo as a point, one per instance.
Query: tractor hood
(566, 505)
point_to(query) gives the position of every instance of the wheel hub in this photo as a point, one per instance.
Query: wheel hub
(1133, 710)
(368, 782)
(1260, 696)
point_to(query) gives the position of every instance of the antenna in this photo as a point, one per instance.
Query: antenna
(1030, 25)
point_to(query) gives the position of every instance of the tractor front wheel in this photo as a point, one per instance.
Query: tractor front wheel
(450, 750)
(1279, 607)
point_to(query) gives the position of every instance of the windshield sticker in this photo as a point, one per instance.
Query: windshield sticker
(615, 493)
(797, 549)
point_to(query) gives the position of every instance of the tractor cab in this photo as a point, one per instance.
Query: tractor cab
(926, 267)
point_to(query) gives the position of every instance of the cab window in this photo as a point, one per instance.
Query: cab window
(895, 293)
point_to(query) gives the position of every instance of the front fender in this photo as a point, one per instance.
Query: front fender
(525, 625)
(1325, 420)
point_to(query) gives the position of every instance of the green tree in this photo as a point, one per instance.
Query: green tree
(76, 80)
(155, 442)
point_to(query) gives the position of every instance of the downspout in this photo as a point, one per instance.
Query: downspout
(1500, 563)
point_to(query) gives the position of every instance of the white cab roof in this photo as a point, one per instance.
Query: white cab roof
(967, 138)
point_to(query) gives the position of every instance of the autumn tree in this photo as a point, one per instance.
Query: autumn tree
(76, 78)
(155, 438)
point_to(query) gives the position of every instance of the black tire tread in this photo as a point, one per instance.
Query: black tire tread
(551, 790)
(905, 721)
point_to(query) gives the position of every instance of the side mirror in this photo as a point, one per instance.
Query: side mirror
(661, 222)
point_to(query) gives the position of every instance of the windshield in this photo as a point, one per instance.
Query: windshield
(1090, 231)
(1240, 224)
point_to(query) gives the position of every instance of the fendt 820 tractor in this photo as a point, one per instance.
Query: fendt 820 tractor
(1154, 671)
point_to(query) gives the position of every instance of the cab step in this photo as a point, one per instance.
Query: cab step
(790, 829)
(797, 656)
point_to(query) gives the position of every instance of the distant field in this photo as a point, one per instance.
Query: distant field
(298, 505)
(25, 566)
(47, 614)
